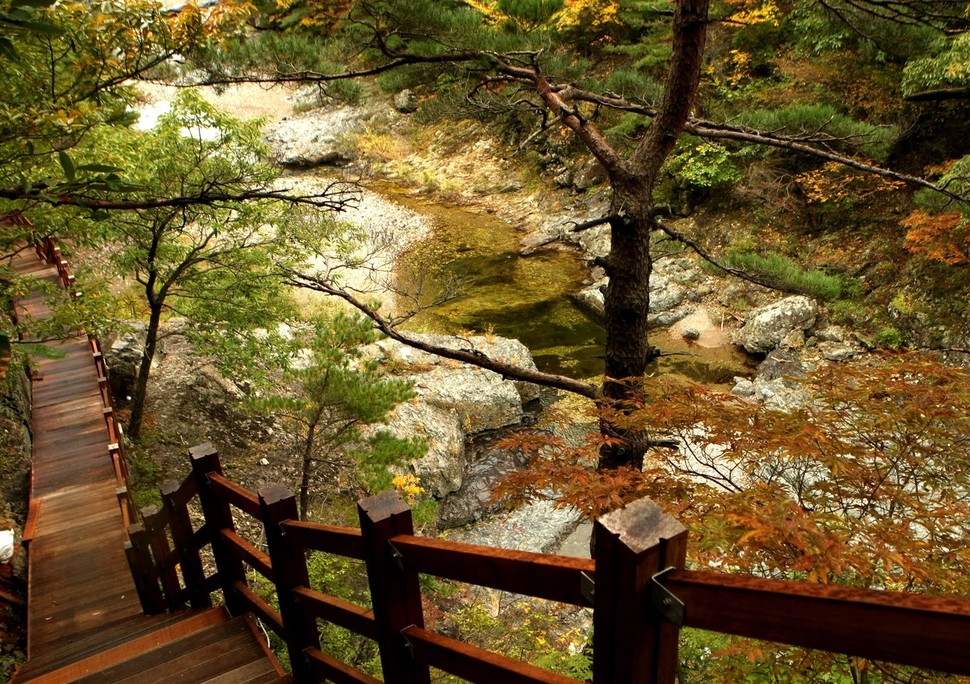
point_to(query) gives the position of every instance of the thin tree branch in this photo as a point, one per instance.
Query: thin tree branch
(470, 356)
(706, 256)
(939, 94)
(336, 200)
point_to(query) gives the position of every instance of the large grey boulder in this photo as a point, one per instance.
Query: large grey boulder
(777, 393)
(474, 499)
(590, 299)
(316, 138)
(777, 382)
(414, 362)
(766, 327)
(190, 398)
(440, 471)
(482, 400)
(406, 101)
(665, 296)
(123, 358)
(454, 401)
(589, 174)
(539, 526)
(665, 293)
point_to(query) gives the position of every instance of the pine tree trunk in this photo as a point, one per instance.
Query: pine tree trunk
(629, 263)
(627, 309)
(307, 470)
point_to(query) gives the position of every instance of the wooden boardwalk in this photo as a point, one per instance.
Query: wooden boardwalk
(84, 617)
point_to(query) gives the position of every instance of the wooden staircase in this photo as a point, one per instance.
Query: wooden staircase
(84, 619)
(192, 646)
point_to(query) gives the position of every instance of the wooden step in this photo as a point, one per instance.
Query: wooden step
(105, 648)
(226, 652)
(59, 654)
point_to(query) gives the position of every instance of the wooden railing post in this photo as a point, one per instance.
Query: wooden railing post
(633, 642)
(137, 551)
(218, 517)
(289, 571)
(193, 574)
(395, 593)
(154, 524)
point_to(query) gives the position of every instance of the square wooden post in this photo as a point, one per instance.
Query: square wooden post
(218, 517)
(154, 523)
(289, 571)
(138, 553)
(632, 642)
(395, 593)
(180, 524)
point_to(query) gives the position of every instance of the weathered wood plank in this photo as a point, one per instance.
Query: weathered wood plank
(476, 664)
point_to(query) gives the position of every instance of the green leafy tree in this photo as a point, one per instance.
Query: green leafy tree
(65, 73)
(331, 392)
(66, 154)
(216, 265)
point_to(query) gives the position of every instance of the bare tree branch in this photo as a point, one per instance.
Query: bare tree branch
(470, 356)
(706, 256)
(332, 197)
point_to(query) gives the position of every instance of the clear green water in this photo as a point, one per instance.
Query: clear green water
(476, 257)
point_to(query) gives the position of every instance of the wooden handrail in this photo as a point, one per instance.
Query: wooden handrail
(261, 608)
(477, 664)
(327, 668)
(240, 497)
(634, 546)
(340, 541)
(248, 553)
(931, 632)
(341, 613)
(555, 578)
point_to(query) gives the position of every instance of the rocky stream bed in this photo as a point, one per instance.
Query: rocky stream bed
(524, 291)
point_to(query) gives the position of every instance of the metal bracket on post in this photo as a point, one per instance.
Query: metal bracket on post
(408, 644)
(397, 556)
(587, 587)
(671, 607)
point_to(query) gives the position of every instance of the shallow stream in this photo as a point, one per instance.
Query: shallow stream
(474, 257)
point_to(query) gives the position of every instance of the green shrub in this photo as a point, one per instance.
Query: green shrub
(699, 164)
(780, 272)
(888, 338)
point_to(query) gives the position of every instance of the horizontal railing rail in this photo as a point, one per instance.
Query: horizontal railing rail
(539, 575)
(340, 541)
(930, 632)
(637, 586)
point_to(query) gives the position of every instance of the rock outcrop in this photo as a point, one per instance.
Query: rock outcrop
(454, 402)
(319, 137)
(766, 327)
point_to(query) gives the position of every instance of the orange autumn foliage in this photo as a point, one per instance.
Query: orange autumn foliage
(938, 237)
(866, 484)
